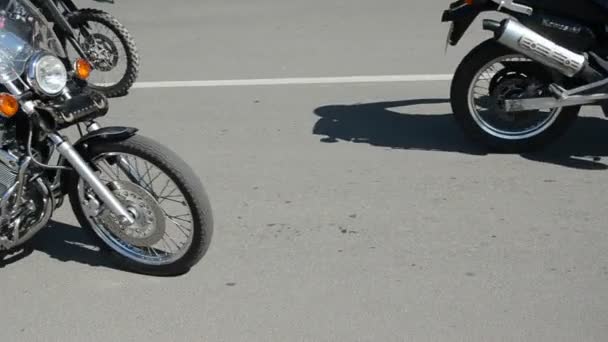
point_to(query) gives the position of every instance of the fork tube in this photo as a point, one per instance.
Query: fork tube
(77, 47)
(58, 18)
(92, 126)
(68, 5)
(123, 163)
(107, 197)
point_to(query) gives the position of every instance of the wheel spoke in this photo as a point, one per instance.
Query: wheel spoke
(162, 199)
(167, 198)
(165, 187)
(105, 167)
(172, 240)
(179, 219)
(142, 179)
(153, 250)
(181, 228)
(150, 180)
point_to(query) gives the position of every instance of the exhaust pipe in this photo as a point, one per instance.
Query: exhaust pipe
(531, 44)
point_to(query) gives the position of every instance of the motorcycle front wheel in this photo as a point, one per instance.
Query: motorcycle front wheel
(492, 73)
(174, 224)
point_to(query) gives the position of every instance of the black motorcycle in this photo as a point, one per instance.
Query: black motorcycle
(524, 87)
(98, 37)
(132, 194)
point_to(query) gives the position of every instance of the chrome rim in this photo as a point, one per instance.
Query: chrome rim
(178, 217)
(483, 104)
(106, 53)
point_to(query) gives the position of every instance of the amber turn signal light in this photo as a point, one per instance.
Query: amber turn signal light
(469, 2)
(9, 105)
(82, 69)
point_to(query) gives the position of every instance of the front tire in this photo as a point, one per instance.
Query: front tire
(462, 101)
(186, 182)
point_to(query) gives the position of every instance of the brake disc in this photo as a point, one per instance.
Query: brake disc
(149, 226)
(102, 51)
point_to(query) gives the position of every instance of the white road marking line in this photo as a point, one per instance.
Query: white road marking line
(293, 81)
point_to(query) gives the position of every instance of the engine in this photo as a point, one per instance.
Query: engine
(9, 169)
(26, 203)
(9, 155)
(8, 175)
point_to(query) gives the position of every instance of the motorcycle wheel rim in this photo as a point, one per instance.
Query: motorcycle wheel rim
(491, 128)
(183, 224)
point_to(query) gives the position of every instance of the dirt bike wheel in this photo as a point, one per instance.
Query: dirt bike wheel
(101, 81)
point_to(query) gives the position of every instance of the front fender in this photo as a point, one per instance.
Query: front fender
(105, 134)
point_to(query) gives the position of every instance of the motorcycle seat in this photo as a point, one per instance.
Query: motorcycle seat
(586, 11)
(602, 3)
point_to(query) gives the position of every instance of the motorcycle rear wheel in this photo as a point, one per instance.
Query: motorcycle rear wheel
(486, 131)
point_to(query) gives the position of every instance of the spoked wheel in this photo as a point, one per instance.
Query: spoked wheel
(487, 77)
(109, 48)
(173, 223)
(103, 53)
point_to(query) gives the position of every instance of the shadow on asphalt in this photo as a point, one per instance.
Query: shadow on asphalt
(377, 125)
(65, 243)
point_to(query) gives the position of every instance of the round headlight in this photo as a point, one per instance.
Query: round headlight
(47, 74)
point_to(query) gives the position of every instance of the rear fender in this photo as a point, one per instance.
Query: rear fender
(462, 15)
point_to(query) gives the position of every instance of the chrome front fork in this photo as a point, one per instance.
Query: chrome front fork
(123, 163)
(92, 126)
(84, 170)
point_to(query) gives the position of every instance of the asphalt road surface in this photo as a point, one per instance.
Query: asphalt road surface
(344, 212)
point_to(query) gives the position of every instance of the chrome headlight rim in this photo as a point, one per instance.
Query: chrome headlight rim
(32, 73)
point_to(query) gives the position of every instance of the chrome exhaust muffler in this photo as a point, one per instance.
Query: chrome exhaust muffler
(531, 44)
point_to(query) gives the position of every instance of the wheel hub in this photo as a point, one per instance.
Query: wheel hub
(102, 52)
(514, 87)
(149, 226)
